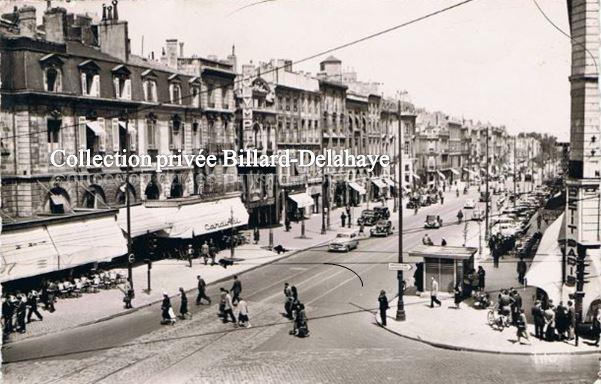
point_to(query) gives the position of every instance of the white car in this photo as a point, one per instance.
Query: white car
(469, 204)
(344, 241)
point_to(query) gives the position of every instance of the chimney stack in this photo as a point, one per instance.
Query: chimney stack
(55, 25)
(27, 21)
(171, 52)
(181, 49)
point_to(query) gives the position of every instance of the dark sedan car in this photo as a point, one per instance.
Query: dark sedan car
(368, 217)
(382, 228)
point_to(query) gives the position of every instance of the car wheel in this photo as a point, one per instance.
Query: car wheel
(348, 249)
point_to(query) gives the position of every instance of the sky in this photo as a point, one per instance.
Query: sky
(496, 61)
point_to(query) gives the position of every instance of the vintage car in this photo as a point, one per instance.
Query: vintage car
(382, 212)
(469, 204)
(433, 221)
(344, 241)
(368, 217)
(382, 228)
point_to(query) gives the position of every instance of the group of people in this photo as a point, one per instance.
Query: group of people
(295, 310)
(554, 323)
(18, 308)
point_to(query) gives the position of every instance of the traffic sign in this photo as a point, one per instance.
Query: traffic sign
(399, 267)
(131, 258)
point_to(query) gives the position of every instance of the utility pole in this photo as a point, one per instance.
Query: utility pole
(130, 255)
(515, 160)
(324, 188)
(400, 311)
(232, 233)
(486, 234)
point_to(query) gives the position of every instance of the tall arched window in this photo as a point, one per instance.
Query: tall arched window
(122, 195)
(177, 189)
(94, 197)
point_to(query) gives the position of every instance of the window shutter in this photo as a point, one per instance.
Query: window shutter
(84, 88)
(96, 86)
(142, 140)
(127, 89)
(116, 86)
(183, 135)
(145, 90)
(171, 93)
(154, 91)
(171, 134)
(82, 133)
(133, 137)
(115, 134)
(102, 144)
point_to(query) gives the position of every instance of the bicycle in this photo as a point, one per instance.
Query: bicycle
(496, 319)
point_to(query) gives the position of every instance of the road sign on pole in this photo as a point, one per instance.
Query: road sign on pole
(399, 267)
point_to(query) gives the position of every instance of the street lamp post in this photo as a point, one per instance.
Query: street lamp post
(400, 311)
(130, 260)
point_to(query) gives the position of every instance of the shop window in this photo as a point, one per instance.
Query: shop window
(122, 196)
(94, 198)
(59, 201)
(177, 189)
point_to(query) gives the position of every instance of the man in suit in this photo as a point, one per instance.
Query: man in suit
(383, 301)
(202, 291)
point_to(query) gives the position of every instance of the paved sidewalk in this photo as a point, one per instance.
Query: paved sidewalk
(169, 274)
(467, 329)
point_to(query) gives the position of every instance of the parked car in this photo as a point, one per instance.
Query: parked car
(469, 204)
(344, 241)
(432, 221)
(368, 217)
(382, 228)
(382, 212)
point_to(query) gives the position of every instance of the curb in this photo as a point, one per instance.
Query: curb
(135, 309)
(452, 347)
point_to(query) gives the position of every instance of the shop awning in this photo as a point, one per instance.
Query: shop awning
(357, 187)
(379, 183)
(302, 200)
(415, 176)
(143, 220)
(192, 220)
(315, 190)
(95, 127)
(87, 241)
(455, 171)
(441, 175)
(25, 253)
(389, 182)
(419, 252)
(545, 272)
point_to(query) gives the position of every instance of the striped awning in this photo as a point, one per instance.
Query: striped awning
(357, 187)
(441, 175)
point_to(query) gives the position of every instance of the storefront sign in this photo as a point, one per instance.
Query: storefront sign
(232, 221)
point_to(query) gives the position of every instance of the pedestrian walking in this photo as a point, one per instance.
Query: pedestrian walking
(416, 209)
(287, 223)
(516, 305)
(8, 312)
(204, 250)
(443, 242)
(222, 293)
(212, 251)
(441, 199)
(343, 219)
(256, 235)
(228, 309)
(426, 240)
(571, 320)
(383, 303)
(49, 304)
(289, 299)
(550, 324)
(481, 278)
(521, 270)
(522, 330)
(190, 254)
(361, 227)
(32, 302)
(459, 216)
(434, 293)
(21, 313)
(183, 304)
(202, 294)
(236, 290)
(539, 319)
(301, 327)
(457, 296)
(167, 315)
(243, 320)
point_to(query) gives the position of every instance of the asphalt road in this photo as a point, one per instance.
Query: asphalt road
(344, 346)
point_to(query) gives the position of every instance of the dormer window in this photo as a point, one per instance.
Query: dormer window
(51, 67)
(90, 78)
(122, 82)
(175, 89)
(149, 86)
